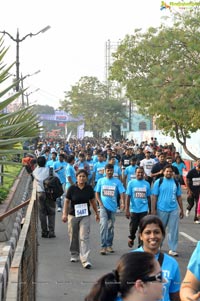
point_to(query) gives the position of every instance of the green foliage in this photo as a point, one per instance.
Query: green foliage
(160, 70)
(90, 99)
(15, 127)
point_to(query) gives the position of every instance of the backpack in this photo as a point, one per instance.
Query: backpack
(52, 186)
(161, 180)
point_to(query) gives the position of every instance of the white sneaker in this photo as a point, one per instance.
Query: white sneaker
(74, 259)
(187, 213)
(197, 222)
(173, 253)
(87, 265)
(59, 209)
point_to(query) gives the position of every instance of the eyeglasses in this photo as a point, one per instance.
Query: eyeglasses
(158, 277)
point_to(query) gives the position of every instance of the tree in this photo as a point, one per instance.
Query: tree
(160, 69)
(15, 127)
(90, 99)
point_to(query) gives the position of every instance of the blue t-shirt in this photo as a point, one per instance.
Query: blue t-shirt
(180, 167)
(91, 164)
(70, 172)
(171, 272)
(194, 262)
(99, 170)
(50, 163)
(138, 190)
(61, 173)
(129, 172)
(167, 193)
(108, 189)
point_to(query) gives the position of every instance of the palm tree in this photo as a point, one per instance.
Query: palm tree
(15, 127)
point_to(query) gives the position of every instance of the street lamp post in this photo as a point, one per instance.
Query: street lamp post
(18, 40)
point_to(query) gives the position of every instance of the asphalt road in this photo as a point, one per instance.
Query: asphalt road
(59, 279)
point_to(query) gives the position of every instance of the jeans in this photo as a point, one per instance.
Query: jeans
(171, 220)
(60, 200)
(107, 220)
(79, 230)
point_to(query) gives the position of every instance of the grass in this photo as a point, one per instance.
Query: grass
(12, 172)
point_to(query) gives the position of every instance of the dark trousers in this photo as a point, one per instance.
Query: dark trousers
(46, 213)
(134, 223)
(193, 200)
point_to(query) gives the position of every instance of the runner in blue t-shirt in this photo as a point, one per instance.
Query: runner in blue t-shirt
(166, 197)
(106, 195)
(137, 202)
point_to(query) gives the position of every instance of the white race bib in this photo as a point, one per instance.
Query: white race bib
(81, 210)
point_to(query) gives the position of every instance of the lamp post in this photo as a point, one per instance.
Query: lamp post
(27, 95)
(18, 40)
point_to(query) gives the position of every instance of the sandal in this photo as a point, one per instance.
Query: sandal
(130, 243)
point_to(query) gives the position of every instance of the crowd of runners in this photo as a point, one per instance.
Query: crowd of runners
(143, 181)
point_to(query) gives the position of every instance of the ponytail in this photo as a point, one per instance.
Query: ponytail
(106, 288)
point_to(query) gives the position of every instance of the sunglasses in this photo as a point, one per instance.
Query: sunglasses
(158, 277)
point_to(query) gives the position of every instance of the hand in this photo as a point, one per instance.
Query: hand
(122, 207)
(97, 218)
(195, 297)
(181, 215)
(64, 218)
(127, 214)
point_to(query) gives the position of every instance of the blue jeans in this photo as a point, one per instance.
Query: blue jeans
(171, 221)
(107, 220)
(60, 200)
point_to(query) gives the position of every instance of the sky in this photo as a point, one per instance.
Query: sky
(74, 46)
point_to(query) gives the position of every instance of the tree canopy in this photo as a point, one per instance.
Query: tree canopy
(90, 99)
(160, 70)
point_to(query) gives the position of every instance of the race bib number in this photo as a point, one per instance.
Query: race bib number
(196, 181)
(149, 166)
(109, 191)
(126, 162)
(81, 210)
(140, 193)
(133, 177)
(100, 171)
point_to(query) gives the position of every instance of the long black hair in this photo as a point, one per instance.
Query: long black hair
(131, 267)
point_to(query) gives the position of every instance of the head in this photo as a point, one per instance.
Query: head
(112, 160)
(137, 274)
(88, 157)
(81, 176)
(133, 161)
(147, 154)
(168, 171)
(198, 164)
(53, 156)
(161, 157)
(151, 233)
(100, 157)
(70, 159)
(61, 157)
(109, 169)
(169, 159)
(139, 173)
(81, 157)
(41, 161)
(178, 159)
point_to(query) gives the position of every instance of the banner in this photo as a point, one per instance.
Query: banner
(80, 131)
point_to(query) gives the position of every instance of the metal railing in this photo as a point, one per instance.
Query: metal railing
(22, 273)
